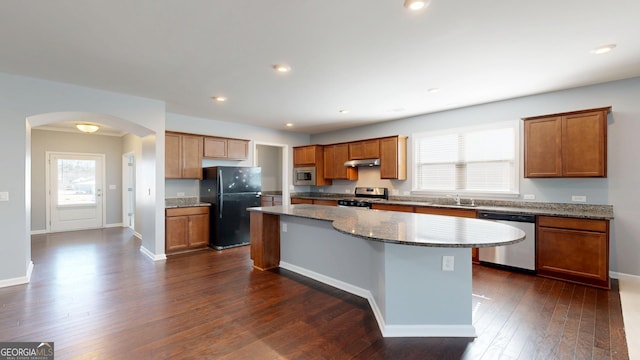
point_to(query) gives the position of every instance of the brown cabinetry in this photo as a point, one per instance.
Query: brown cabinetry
(573, 249)
(325, 202)
(365, 149)
(270, 200)
(186, 229)
(301, 201)
(224, 148)
(393, 158)
(334, 158)
(310, 155)
(566, 145)
(183, 156)
(392, 207)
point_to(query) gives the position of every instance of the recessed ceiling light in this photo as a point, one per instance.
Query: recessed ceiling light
(416, 4)
(344, 111)
(398, 110)
(282, 68)
(288, 124)
(219, 98)
(434, 90)
(602, 49)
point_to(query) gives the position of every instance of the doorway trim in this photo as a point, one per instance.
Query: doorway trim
(48, 189)
(128, 182)
(285, 167)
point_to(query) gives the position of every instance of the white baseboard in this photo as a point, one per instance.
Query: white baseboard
(151, 255)
(386, 330)
(137, 234)
(623, 276)
(19, 280)
(38, 232)
(113, 225)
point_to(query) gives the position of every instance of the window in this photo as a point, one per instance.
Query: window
(473, 160)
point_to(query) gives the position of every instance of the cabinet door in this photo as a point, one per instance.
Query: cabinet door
(215, 148)
(584, 146)
(198, 230)
(177, 232)
(266, 201)
(172, 156)
(329, 166)
(467, 213)
(371, 149)
(304, 155)
(340, 156)
(574, 255)
(543, 147)
(393, 158)
(392, 207)
(301, 201)
(191, 157)
(325, 202)
(237, 149)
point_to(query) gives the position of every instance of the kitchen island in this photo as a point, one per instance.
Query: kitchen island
(414, 269)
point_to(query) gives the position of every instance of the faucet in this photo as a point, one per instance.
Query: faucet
(455, 197)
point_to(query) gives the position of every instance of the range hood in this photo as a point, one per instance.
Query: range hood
(362, 163)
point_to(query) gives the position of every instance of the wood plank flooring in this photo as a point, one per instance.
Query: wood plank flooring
(97, 297)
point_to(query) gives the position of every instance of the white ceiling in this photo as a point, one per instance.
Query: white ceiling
(374, 58)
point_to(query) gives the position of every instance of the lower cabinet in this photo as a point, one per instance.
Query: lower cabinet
(325, 202)
(392, 207)
(270, 200)
(186, 229)
(301, 201)
(573, 249)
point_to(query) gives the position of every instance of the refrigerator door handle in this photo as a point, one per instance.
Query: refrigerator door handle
(221, 192)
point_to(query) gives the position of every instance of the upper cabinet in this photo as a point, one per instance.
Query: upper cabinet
(393, 158)
(223, 148)
(570, 144)
(183, 156)
(310, 155)
(365, 149)
(334, 158)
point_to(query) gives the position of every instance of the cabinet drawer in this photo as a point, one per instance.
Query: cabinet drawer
(573, 223)
(446, 211)
(195, 210)
(392, 207)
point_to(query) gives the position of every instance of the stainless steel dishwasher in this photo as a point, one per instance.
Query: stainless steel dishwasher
(522, 255)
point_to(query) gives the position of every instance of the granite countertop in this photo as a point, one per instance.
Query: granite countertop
(597, 212)
(405, 228)
(172, 203)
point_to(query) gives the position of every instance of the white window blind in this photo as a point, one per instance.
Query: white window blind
(472, 160)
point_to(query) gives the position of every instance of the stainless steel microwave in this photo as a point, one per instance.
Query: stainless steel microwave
(304, 175)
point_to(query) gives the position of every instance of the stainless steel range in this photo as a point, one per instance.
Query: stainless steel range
(364, 196)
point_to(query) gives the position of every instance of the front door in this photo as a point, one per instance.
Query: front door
(75, 191)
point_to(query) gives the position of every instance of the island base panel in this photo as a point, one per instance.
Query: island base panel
(265, 240)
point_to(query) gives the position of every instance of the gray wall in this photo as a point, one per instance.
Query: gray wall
(623, 148)
(27, 102)
(133, 144)
(57, 141)
(269, 159)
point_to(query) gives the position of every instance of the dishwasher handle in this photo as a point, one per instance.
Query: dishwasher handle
(507, 217)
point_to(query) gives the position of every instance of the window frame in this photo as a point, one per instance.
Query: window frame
(516, 127)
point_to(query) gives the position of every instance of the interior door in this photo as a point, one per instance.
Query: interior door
(75, 191)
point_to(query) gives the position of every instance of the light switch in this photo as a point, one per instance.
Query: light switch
(447, 263)
(112, 187)
(4, 196)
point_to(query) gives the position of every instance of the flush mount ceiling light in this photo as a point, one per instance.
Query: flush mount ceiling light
(219, 98)
(288, 124)
(282, 68)
(603, 49)
(87, 128)
(416, 4)
(434, 90)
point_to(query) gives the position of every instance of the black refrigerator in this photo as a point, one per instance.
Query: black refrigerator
(230, 190)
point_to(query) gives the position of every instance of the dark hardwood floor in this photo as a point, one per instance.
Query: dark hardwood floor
(97, 297)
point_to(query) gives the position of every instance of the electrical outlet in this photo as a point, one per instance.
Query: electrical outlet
(347, 191)
(578, 198)
(4, 196)
(321, 190)
(447, 263)
(529, 197)
(394, 192)
(283, 226)
(406, 193)
(180, 194)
